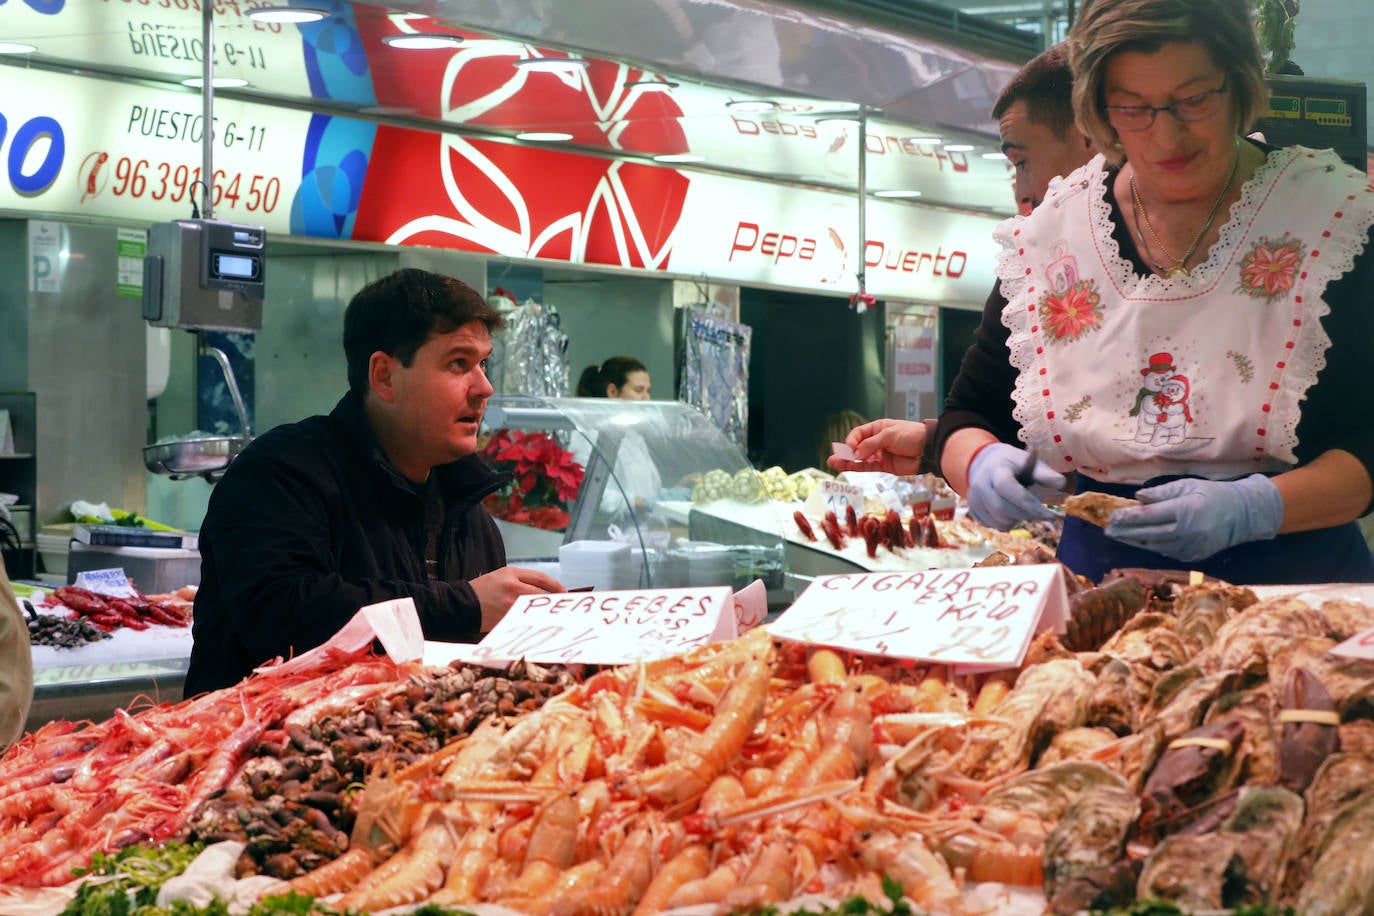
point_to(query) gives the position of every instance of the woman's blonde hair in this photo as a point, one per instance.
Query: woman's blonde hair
(1107, 27)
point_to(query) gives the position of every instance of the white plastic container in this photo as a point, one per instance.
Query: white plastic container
(600, 564)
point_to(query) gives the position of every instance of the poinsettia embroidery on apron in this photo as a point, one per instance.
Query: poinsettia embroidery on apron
(1270, 268)
(1072, 308)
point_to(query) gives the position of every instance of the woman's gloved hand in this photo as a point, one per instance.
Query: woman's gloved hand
(997, 498)
(1192, 519)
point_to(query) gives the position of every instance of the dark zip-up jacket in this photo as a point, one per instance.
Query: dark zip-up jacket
(311, 523)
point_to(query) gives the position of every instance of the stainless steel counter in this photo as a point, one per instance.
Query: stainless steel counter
(95, 691)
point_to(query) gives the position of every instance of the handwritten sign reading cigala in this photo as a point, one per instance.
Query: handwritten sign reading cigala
(609, 628)
(972, 618)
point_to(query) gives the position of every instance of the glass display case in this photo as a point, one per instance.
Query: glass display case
(603, 489)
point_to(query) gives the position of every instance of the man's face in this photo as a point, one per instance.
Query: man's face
(439, 398)
(1037, 153)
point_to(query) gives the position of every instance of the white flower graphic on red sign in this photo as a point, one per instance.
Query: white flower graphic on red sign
(526, 201)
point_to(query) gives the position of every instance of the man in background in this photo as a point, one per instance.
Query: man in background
(1034, 113)
(380, 499)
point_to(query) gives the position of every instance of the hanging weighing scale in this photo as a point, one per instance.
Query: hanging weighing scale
(204, 275)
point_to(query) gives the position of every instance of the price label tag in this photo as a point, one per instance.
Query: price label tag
(1361, 645)
(397, 625)
(112, 582)
(751, 605)
(834, 496)
(973, 619)
(603, 628)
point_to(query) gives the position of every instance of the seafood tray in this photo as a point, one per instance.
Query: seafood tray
(728, 521)
(1211, 751)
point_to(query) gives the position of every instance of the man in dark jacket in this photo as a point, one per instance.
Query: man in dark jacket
(380, 499)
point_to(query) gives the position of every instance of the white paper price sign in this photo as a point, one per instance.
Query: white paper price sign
(834, 496)
(395, 622)
(112, 582)
(1361, 645)
(972, 618)
(397, 625)
(608, 628)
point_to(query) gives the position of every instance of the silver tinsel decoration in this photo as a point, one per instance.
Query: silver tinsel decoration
(715, 372)
(530, 356)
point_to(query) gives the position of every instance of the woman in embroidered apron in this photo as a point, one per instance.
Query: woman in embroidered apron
(1187, 319)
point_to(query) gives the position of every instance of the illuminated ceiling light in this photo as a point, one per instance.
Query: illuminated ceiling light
(544, 136)
(423, 41)
(926, 141)
(752, 106)
(680, 157)
(959, 148)
(16, 47)
(219, 82)
(287, 15)
(650, 84)
(897, 194)
(998, 156)
(552, 64)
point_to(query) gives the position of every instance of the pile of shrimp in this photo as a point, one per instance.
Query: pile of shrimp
(740, 774)
(70, 789)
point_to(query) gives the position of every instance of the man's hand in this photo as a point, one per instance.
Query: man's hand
(1192, 519)
(894, 446)
(497, 590)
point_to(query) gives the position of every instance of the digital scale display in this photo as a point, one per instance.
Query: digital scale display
(235, 265)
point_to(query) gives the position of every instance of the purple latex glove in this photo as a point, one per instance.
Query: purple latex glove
(997, 498)
(1192, 519)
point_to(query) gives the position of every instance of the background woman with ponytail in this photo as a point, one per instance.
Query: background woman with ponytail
(623, 378)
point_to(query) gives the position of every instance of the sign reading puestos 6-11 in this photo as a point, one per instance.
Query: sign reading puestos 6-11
(135, 153)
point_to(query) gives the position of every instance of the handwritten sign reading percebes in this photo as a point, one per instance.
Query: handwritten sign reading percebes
(609, 628)
(982, 618)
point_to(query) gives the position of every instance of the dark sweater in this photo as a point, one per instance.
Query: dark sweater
(309, 524)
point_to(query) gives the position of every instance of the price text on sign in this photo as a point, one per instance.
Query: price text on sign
(610, 627)
(834, 496)
(982, 617)
(1361, 645)
(139, 178)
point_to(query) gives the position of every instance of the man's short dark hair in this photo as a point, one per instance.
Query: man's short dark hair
(397, 314)
(1045, 83)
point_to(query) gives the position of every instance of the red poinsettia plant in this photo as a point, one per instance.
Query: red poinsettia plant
(546, 479)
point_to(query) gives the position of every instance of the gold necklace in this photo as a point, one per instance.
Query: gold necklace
(1179, 269)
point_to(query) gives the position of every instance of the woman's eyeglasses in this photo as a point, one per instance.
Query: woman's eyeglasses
(1193, 108)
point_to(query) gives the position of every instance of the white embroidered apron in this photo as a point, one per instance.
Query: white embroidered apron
(1125, 377)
